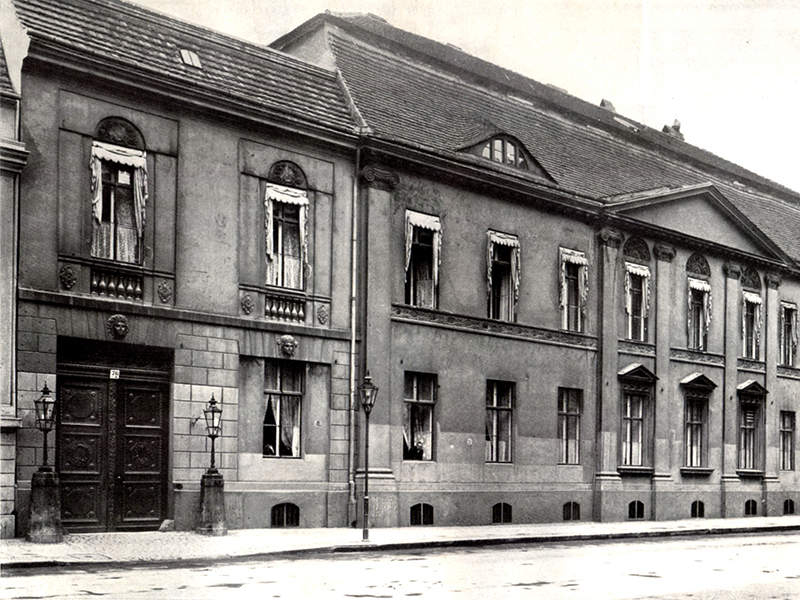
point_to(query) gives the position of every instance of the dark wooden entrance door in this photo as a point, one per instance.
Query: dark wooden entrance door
(112, 450)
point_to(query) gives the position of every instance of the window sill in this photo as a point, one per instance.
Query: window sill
(634, 470)
(750, 472)
(497, 462)
(700, 471)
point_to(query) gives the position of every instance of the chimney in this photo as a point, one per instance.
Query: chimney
(607, 104)
(674, 129)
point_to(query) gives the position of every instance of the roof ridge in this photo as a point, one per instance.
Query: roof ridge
(448, 54)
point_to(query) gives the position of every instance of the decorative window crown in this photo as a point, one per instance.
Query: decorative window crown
(636, 248)
(697, 265)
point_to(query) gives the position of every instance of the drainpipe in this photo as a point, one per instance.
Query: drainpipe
(351, 475)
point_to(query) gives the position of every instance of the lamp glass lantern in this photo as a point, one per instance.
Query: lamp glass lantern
(213, 415)
(369, 392)
(45, 417)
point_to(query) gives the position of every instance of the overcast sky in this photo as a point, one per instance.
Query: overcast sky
(729, 70)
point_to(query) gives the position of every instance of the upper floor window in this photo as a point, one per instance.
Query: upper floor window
(119, 192)
(499, 406)
(286, 226)
(505, 151)
(751, 313)
(502, 275)
(283, 393)
(573, 288)
(699, 302)
(423, 251)
(788, 333)
(637, 300)
(419, 396)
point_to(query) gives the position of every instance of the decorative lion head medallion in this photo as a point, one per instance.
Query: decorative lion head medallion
(118, 326)
(287, 344)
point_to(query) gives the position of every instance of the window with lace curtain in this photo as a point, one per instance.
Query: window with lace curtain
(502, 275)
(423, 249)
(283, 396)
(286, 224)
(573, 288)
(118, 167)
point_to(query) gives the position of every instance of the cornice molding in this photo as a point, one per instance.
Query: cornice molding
(411, 314)
(693, 356)
(13, 156)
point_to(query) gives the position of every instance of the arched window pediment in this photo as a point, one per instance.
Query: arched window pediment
(118, 131)
(636, 248)
(697, 265)
(288, 174)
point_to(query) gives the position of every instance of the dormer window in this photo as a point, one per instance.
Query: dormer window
(505, 151)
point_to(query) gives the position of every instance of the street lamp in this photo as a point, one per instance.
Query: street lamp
(368, 391)
(213, 415)
(212, 485)
(45, 416)
(44, 525)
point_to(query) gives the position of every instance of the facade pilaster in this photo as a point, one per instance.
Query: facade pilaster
(771, 358)
(608, 485)
(664, 402)
(378, 185)
(730, 480)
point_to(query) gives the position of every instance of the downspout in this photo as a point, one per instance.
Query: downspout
(351, 479)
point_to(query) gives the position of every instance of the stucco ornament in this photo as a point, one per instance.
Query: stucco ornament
(287, 344)
(118, 326)
(164, 291)
(322, 314)
(248, 304)
(68, 276)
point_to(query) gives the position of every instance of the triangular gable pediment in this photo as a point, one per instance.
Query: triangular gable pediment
(700, 211)
(637, 372)
(751, 386)
(698, 381)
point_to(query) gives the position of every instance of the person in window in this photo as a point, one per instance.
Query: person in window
(417, 451)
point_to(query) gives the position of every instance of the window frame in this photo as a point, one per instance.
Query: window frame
(502, 305)
(637, 321)
(566, 417)
(788, 334)
(750, 441)
(751, 325)
(695, 430)
(573, 289)
(699, 313)
(786, 448)
(277, 200)
(416, 252)
(507, 390)
(411, 406)
(111, 158)
(299, 370)
(497, 150)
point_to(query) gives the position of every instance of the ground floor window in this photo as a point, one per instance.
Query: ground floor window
(283, 395)
(787, 440)
(419, 396)
(499, 404)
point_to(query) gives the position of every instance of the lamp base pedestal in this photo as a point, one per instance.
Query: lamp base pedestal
(212, 505)
(45, 518)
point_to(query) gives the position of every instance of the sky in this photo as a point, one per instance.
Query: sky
(728, 70)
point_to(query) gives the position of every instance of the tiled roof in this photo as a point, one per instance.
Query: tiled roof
(425, 106)
(5, 81)
(147, 43)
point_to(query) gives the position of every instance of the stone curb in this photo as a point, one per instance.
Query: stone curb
(355, 547)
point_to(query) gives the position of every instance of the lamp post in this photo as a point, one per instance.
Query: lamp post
(212, 485)
(45, 509)
(368, 391)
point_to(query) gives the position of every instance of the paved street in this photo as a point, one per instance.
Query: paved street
(742, 566)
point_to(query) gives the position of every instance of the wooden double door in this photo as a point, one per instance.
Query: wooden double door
(112, 448)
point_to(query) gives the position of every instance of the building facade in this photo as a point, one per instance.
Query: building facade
(569, 315)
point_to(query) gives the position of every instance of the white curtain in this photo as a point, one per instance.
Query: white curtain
(503, 239)
(702, 286)
(755, 300)
(423, 221)
(790, 309)
(137, 159)
(644, 273)
(577, 258)
(286, 195)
